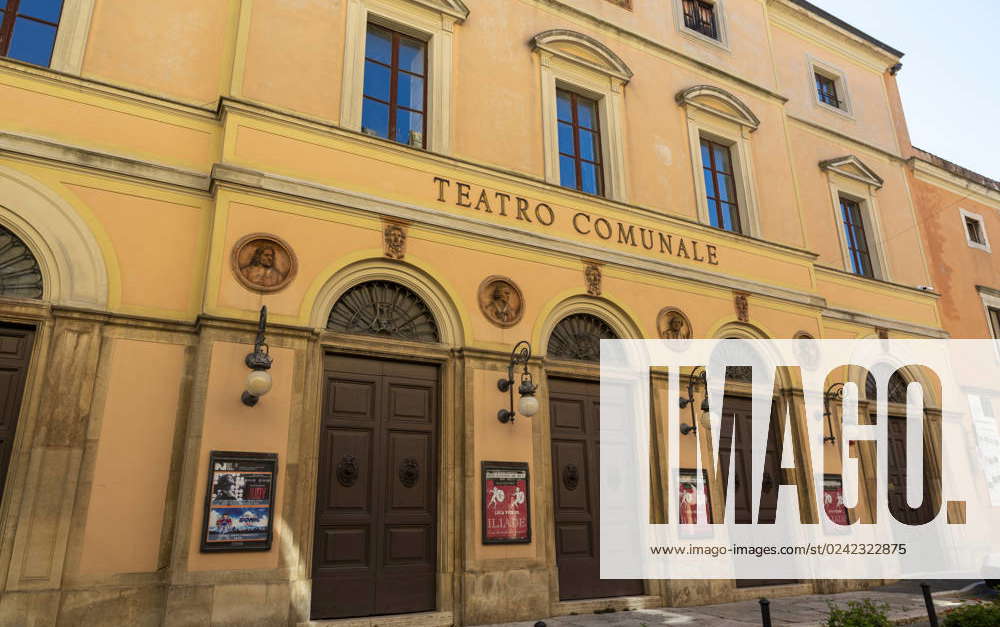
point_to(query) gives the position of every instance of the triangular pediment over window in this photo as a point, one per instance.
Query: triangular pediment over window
(853, 168)
(583, 50)
(455, 8)
(719, 102)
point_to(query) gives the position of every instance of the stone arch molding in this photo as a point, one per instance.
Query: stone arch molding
(73, 269)
(583, 50)
(449, 322)
(619, 321)
(720, 102)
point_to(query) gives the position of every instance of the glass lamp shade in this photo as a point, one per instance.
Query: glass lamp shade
(528, 406)
(258, 383)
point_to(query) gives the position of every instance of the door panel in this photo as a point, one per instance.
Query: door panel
(897, 475)
(15, 351)
(575, 418)
(376, 507)
(740, 411)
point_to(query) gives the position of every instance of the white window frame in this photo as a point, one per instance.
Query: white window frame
(982, 229)
(838, 77)
(863, 195)
(720, 24)
(427, 20)
(990, 298)
(732, 131)
(71, 36)
(606, 88)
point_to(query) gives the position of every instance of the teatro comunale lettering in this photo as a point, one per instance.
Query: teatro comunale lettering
(521, 209)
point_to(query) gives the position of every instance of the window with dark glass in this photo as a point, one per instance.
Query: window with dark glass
(857, 241)
(975, 229)
(700, 16)
(28, 29)
(579, 143)
(395, 93)
(995, 321)
(826, 89)
(720, 186)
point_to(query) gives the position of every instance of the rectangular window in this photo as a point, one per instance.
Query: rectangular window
(579, 143)
(826, 89)
(700, 16)
(28, 29)
(720, 186)
(395, 87)
(857, 241)
(975, 231)
(995, 320)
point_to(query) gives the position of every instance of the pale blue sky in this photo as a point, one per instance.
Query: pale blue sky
(949, 83)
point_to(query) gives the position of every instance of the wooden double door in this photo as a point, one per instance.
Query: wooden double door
(575, 424)
(15, 351)
(897, 476)
(736, 453)
(376, 509)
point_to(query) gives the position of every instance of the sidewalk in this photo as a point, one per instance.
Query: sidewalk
(905, 601)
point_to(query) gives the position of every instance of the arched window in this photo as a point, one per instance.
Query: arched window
(20, 276)
(578, 337)
(385, 309)
(897, 388)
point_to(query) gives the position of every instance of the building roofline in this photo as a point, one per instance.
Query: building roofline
(957, 170)
(836, 21)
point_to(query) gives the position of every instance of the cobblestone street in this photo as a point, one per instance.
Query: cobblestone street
(904, 599)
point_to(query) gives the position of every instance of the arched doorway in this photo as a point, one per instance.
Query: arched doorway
(21, 278)
(897, 451)
(375, 548)
(574, 416)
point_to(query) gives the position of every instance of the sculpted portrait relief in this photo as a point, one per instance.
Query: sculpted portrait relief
(501, 301)
(394, 236)
(673, 324)
(263, 263)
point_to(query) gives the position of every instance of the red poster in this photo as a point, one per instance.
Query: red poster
(506, 514)
(690, 504)
(833, 500)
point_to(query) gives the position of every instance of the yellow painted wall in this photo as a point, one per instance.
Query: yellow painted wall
(180, 49)
(231, 426)
(135, 444)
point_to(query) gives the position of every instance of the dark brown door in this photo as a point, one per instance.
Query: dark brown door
(897, 476)
(575, 417)
(375, 544)
(738, 424)
(15, 351)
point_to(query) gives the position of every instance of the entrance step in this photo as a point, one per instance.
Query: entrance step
(420, 619)
(618, 604)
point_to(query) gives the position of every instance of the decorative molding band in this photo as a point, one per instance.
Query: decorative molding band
(893, 325)
(37, 148)
(936, 175)
(830, 133)
(644, 42)
(255, 180)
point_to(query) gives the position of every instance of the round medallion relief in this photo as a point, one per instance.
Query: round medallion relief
(263, 263)
(501, 301)
(673, 324)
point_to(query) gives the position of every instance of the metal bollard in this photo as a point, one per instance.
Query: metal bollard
(765, 613)
(929, 602)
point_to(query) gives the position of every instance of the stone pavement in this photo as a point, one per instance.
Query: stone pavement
(904, 599)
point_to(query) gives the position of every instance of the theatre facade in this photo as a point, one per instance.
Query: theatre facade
(378, 201)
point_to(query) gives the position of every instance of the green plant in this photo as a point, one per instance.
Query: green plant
(859, 614)
(977, 615)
